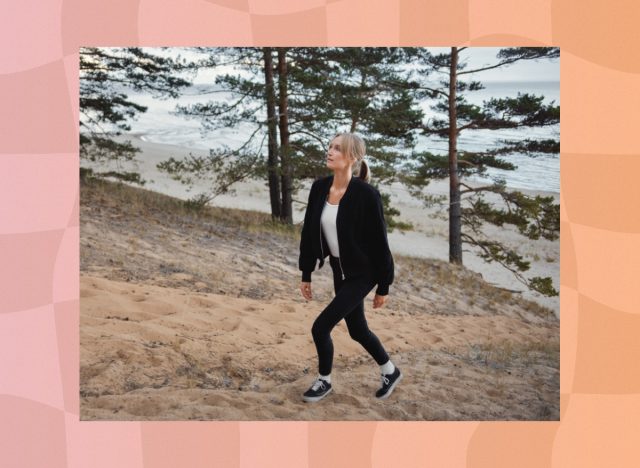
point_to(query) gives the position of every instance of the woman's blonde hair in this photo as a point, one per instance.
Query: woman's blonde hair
(353, 145)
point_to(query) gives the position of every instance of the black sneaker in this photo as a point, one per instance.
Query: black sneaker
(389, 382)
(320, 389)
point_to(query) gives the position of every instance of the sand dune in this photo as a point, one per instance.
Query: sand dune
(162, 353)
(185, 316)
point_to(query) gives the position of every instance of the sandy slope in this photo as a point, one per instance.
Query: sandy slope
(189, 317)
(162, 353)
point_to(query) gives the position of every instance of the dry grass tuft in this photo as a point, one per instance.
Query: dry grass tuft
(148, 204)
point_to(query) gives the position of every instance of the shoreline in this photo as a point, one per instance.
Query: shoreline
(428, 239)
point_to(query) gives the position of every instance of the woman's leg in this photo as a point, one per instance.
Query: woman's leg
(358, 327)
(360, 332)
(349, 294)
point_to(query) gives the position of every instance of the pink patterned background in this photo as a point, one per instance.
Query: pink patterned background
(39, 233)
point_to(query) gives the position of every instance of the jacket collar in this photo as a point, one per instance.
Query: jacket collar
(329, 182)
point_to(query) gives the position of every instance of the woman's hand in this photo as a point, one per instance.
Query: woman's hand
(378, 301)
(305, 288)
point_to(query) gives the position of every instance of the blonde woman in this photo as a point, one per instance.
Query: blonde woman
(344, 220)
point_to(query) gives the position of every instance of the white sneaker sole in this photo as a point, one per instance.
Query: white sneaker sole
(386, 395)
(316, 398)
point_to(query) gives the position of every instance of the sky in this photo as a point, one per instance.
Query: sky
(475, 57)
(525, 70)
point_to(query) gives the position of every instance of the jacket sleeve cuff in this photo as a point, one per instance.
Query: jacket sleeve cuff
(306, 276)
(382, 290)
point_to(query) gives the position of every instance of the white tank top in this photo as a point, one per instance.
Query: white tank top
(328, 222)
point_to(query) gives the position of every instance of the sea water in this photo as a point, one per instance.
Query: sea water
(541, 172)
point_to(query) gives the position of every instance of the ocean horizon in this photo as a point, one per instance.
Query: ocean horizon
(541, 172)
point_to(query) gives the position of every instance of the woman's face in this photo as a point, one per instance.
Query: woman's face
(336, 159)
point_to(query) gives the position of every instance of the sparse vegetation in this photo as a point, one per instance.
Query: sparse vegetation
(148, 202)
(131, 234)
(506, 353)
(150, 221)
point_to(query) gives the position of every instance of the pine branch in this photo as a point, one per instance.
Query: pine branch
(491, 250)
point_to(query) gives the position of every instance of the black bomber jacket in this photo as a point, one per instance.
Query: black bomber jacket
(362, 233)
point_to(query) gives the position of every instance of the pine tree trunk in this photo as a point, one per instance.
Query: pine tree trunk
(285, 164)
(455, 240)
(272, 123)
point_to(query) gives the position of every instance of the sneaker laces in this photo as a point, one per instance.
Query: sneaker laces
(385, 380)
(319, 383)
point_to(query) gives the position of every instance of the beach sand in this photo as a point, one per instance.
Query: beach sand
(161, 353)
(190, 316)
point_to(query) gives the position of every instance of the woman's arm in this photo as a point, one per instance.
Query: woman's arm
(382, 257)
(307, 261)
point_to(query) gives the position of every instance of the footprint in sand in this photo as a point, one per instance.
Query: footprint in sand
(282, 413)
(288, 308)
(87, 293)
(203, 302)
(349, 400)
(229, 325)
(156, 308)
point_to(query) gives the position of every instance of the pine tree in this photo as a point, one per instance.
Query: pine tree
(534, 217)
(362, 90)
(272, 125)
(355, 90)
(317, 92)
(245, 106)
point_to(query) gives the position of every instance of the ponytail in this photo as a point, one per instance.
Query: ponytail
(363, 172)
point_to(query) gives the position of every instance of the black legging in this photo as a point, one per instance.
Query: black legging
(348, 304)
